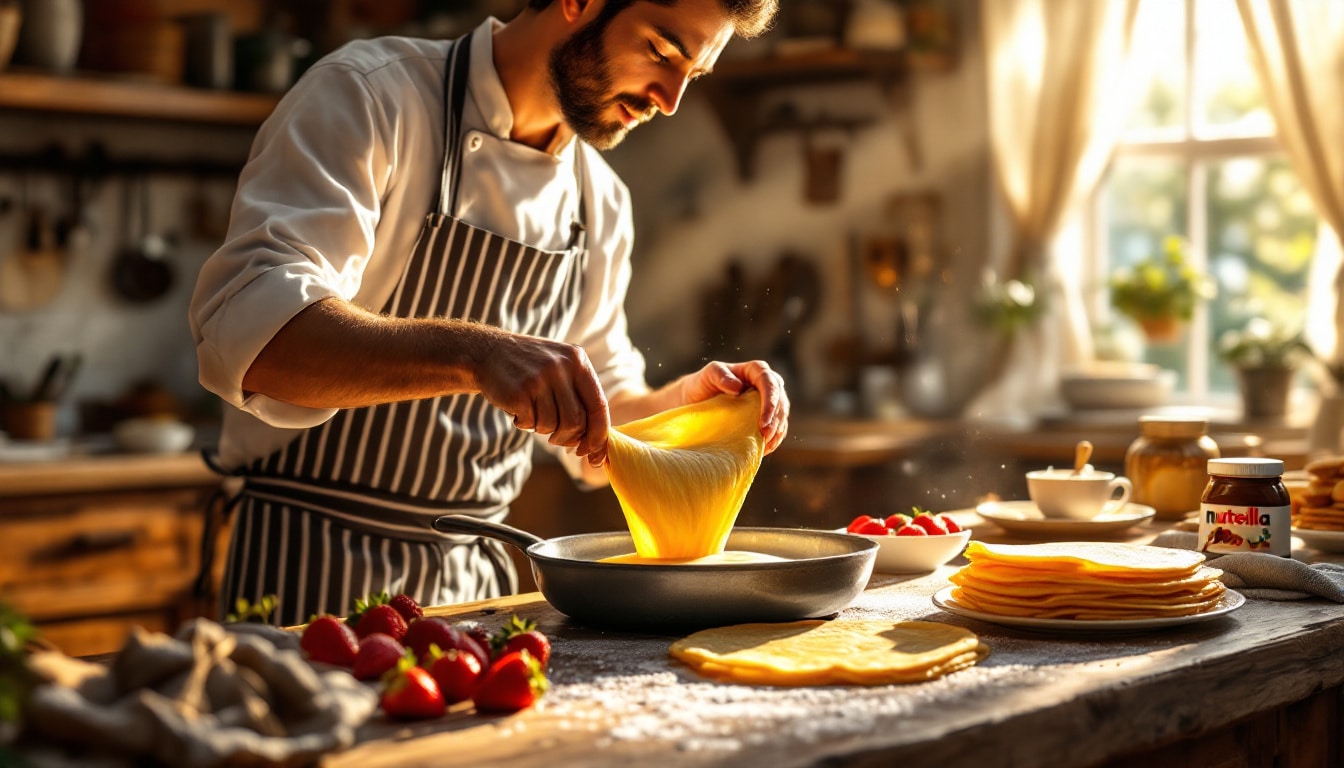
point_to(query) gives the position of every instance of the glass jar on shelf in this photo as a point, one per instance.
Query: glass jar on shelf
(1168, 464)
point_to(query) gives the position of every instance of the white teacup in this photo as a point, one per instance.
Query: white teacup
(1060, 493)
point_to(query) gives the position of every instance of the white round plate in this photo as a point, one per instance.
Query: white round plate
(1324, 541)
(1023, 517)
(1230, 602)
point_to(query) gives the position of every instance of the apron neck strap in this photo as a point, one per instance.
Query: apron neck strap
(454, 97)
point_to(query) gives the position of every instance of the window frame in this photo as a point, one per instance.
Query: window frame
(1195, 148)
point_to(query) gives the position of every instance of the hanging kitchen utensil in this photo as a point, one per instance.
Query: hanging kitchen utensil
(140, 273)
(31, 276)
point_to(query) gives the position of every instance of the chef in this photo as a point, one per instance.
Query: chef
(426, 266)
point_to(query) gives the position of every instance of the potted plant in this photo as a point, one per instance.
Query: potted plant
(1161, 292)
(1265, 356)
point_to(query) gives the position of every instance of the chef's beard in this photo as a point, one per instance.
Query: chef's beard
(581, 77)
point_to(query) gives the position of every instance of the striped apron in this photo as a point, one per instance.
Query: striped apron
(345, 509)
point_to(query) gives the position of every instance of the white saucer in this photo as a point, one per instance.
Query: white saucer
(1324, 541)
(1023, 517)
(1230, 601)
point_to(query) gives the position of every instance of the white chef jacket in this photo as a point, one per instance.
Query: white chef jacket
(336, 190)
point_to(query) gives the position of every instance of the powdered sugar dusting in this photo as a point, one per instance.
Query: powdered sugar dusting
(626, 689)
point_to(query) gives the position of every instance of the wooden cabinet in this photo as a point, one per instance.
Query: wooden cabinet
(111, 543)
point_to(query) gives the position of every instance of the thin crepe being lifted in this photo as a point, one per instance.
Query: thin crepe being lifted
(681, 476)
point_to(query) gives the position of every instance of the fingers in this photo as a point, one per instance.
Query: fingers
(593, 444)
(552, 389)
(732, 378)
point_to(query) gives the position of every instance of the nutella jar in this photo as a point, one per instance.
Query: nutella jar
(1168, 464)
(1245, 508)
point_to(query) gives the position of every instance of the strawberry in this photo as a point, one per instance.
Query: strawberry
(863, 524)
(434, 630)
(381, 618)
(377, 654)
(513, 683)
(951, 525)
(457, 673)
(329, 640)
(477, 632)
(910, 530)
(407, 607)
(893, 522)
(363, 604)
(411, 693)
(521, 634)
(930, 524)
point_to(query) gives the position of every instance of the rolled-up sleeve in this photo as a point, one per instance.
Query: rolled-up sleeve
(301, 230)
(600, 325)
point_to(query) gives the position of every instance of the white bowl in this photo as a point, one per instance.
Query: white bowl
(1108, 388)
(915, 554)
(153, 435)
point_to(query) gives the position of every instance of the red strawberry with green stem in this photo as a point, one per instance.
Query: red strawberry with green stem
(381, 618)
(514, 682)
(457, 672)
(434, 630)
(411, 693)
(521, 634)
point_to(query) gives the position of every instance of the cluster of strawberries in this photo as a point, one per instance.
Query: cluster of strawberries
(424, 664)
(920, 524)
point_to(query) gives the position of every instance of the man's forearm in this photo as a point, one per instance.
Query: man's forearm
(336, 355)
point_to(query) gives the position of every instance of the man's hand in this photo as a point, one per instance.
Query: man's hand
(547, 387)
(732, 379)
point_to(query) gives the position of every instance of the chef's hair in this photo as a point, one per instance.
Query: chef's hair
(750, 17)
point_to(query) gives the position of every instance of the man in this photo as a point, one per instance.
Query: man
(426, 263)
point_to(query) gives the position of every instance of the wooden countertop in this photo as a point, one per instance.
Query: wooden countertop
(104, 472)
(617, 699)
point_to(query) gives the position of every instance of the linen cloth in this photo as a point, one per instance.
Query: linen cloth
(1263, 576)
(211, 696)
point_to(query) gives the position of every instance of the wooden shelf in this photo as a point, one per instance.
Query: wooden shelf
(813, 67)
(88, 95)
(736, 88)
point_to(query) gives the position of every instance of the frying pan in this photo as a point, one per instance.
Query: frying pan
(822, 573)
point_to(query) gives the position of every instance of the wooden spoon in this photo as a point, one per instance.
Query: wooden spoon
(1081, 455)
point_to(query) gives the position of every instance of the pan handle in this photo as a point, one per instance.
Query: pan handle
(475, 525)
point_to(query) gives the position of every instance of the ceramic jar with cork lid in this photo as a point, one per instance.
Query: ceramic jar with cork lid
(1168, 464)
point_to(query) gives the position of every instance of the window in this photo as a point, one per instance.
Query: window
(1199, 159)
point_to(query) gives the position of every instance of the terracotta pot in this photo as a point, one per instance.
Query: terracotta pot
(1162, 330)
(30, 421)
(1264, 392)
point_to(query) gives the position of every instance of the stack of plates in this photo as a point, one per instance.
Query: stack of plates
(1111, 385)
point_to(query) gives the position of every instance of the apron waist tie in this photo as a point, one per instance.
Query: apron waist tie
(364, 511)
(374, 513)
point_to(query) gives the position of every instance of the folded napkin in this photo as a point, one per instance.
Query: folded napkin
(213, 695)
(1265, 576)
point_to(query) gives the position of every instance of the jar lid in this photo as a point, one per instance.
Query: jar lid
(1246, 467)
(1173, 426)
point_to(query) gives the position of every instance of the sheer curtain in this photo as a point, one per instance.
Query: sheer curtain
(1057, 100)
(1298, 50)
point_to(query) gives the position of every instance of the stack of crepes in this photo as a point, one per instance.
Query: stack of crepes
(681, 476)
(839, 652)
(1322, 506)
(1086, 580)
